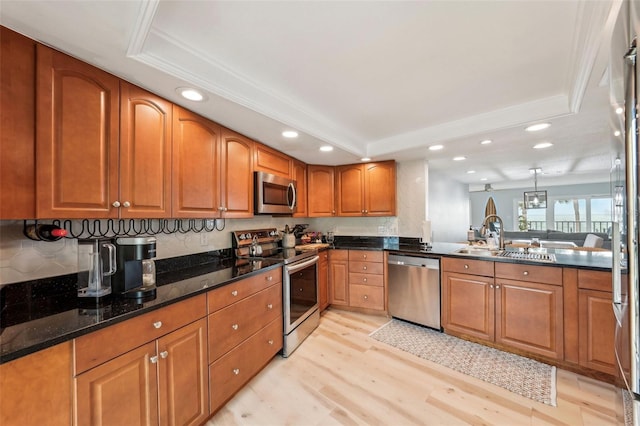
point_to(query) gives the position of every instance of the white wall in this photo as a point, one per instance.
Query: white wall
(448, 209)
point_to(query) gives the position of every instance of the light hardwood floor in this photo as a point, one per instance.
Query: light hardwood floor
(341, 376)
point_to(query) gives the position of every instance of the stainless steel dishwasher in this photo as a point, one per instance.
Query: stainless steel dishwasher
(414, 289)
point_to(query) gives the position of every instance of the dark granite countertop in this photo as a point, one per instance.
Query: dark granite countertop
(60, 317)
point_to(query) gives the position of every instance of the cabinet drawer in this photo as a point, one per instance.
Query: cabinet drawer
(336, 254)
(365, 296)
(224, 296)
(366, 279)
(366, 255)
(468, 266)
(594, 280)
(366, 267)
(530, 273)
(229, 373)
(230, 326)
(100, 346)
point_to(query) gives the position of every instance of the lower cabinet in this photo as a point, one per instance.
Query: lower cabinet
(149, 370)
(323, 280)
(366, 279)
(37, 389)
(339, 277)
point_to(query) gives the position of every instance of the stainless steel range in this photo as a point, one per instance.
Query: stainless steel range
(299, 281)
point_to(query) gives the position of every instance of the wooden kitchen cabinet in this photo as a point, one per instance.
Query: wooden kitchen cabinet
(211, 169)
(366, 279)
(245, 332)
(366, 189)
(321, 191)
(269, 160)
(339, 277)
(17, 115)
(158, 360)
(299, 174)
(36, 389)
(323, 280)
(77, 138)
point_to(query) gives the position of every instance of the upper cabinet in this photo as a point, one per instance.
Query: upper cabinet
(212, 169)
(321, 198)
(76, 138)
(300, 176)
(366, 189)
(271, 161)
(17, 115)
(145, 153)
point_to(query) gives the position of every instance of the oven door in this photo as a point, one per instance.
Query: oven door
(300, 292)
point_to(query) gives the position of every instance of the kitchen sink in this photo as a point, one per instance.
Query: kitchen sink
(538, 256)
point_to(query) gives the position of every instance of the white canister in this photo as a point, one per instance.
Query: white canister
(288, 240)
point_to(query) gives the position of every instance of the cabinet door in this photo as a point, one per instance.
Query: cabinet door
(321, 194)
(36, 389)
(380, 189)
(323, 281)
(17, 115)
(196, 166)
(300, 176)
(350, 190)
(182, 369)
(76, 137)
(597, 331)
(145, 154)
(271, 161)
(529, 317)
(237, 175)
(123, 391)
(339, 277)
(468, 305)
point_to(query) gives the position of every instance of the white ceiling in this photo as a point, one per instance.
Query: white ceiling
(378, 79)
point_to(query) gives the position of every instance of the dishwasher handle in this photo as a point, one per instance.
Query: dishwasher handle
(422, 262)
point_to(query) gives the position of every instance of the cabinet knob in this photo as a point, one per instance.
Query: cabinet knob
(154, 359)
(364, 268)
(366, 212)
(116, 204)
(225, 209)
(270, 278)
(220, 208)
(236, 371)
(525, 273)
(157, 324)
(234, 326)
(362, 211)
(270, 306)
(126, 204)
(497, 286)
(164, 354)
(234, 293)
(365, 297)
(490, 285)
(300, 290)
(466, 266)
(364, 280)
(364, 256)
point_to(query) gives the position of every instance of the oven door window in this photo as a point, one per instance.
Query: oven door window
(303, 294)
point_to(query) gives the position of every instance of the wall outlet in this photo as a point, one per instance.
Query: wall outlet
(204, 239)
(382, 230)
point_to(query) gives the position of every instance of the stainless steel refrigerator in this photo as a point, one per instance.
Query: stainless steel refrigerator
(624, 80)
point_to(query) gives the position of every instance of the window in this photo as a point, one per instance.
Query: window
(601, 214)
(570, 215)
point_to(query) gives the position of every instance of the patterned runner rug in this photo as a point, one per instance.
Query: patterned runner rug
(520, 375)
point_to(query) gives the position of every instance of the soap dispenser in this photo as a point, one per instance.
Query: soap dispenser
(471, 236)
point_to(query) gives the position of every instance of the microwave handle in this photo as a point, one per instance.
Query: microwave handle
(292, 189)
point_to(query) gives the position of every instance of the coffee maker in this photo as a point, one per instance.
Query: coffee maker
(135, 276)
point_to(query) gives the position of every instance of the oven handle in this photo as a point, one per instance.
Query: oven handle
(298, 266)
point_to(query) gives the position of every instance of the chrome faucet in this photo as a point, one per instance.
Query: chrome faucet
(501, 233)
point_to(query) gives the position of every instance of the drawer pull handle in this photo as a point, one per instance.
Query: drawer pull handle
(270, 278)
(364, 268)
(466, 266)
(525, 273)
(164, 354)
(366, 297)
(157, 324)
(497, 286)
(154, 359)
(234, 293)
(236, 371)
(364, 280)
(270, 306)
(491, 286)
(234, 326)
(364, 256)
(270, 341)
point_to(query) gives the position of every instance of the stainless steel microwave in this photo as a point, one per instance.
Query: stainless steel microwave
(274, 194)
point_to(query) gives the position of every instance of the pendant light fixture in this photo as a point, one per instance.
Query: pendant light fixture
(535, 199)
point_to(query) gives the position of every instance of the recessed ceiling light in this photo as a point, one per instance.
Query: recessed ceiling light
(486, 142)
(326, 148)
(542, 145)
(537, 127)
(483, 179)
(470, 172)
(435, 147)
(616, 133)
(619, 110)
(191, 94)
(290, 134)
(365, 159)
(460, 158)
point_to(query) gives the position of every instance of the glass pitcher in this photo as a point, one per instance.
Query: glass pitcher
(96, 264)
